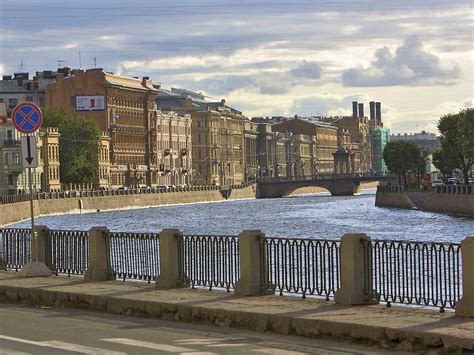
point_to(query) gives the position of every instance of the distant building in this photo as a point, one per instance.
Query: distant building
(15, 90)
(174, 148)
(218, 135)
(424, 140)
(316, 143)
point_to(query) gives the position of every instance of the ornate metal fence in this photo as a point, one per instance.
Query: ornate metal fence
(210, 261)
(304, 266)
(67, 252)
(134, 255)
(15, 249)
(428, 274)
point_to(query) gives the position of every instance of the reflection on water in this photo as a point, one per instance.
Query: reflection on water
(309, 216)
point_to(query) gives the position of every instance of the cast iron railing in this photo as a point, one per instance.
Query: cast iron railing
(303, 266)
(67, 252)
(428, 274)
(210, 261)
(134, 255)
(15, 250)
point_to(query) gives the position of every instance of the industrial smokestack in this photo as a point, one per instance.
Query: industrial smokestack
(372, 110)
(361, 110)
(378, 112)
(354, 109)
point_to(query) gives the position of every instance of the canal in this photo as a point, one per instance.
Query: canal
(308, 216)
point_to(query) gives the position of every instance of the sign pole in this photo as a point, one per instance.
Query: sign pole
(30, 182)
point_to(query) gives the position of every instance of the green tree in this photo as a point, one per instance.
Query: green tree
(444, 163)
(77, 145)
(457, 139)
(402, 157)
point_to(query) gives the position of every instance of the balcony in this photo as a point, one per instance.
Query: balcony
(11, 143)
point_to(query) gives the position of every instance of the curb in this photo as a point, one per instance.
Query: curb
(401, 339)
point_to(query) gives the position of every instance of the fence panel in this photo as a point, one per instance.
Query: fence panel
(134, 255)
(210, 261)
(303, 266)
(67, 252)
(427, 274)
(15, 248)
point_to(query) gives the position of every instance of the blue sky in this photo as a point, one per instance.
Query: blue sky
(264, 57)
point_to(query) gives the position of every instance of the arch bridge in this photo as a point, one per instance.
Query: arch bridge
(336, 184)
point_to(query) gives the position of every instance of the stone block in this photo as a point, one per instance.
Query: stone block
(35, 269)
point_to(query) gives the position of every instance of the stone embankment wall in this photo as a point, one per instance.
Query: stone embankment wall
(14, 212)
(456, 199)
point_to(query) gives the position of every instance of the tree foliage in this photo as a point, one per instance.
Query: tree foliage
(402, 157)
(77, 145)
(444, 163)
(457, 141)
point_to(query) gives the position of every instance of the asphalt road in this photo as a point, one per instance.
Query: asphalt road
(28, 330)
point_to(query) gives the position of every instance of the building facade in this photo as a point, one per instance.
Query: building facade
(317, 138)
(122, 107)
(218, 136)
(174, 147)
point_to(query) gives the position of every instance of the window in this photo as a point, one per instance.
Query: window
(12, 103)
(10, 179)
(9, 134)
(16, 158)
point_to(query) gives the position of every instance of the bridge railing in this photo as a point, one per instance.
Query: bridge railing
(404, 272)
(319, 177)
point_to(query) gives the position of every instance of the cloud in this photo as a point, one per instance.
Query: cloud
(326, 104)
(409, 65)
(307, 70)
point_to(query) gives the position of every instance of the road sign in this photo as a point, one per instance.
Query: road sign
(27, 117)
(29, 157)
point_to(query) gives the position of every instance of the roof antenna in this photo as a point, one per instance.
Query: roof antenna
(80, 62)
(95, 62)
(21, 66)
(60, 61)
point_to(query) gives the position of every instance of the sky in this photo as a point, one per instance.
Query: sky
(280, 57)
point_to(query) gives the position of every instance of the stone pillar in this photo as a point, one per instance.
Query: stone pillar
(99, 255)
(39, 255)
(171, 260)
(356, 271)
(465, 307)
(252, 275)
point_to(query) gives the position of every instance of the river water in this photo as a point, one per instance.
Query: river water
(318, 216)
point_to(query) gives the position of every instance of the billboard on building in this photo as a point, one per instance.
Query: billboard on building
(90, 103)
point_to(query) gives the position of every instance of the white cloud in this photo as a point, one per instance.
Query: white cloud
(409, 65)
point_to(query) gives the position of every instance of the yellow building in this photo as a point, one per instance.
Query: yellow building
(217, 136)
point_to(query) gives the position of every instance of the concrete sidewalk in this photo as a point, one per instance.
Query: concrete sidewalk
(401, 328)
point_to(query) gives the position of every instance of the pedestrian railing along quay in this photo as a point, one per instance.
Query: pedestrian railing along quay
(6, 199)
(134, 255)
(67, 252)
(210, 261)
(302, 266)
(353, 270)
(15, 248)
(427, 274)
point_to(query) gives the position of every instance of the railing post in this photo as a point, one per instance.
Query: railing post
(171, 260)
(465, 307)
(98, 268)
(39, 255)
(252, 267)
(355, 271)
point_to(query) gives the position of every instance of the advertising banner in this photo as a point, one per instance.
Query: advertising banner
(90, 103)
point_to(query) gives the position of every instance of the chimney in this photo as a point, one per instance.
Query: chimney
(354, 109)
(361, 110)
(378, 112)
(372, 110)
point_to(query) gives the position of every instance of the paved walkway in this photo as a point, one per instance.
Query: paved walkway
(401, 328)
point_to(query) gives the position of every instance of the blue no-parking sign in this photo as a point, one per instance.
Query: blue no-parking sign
(27, 117)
